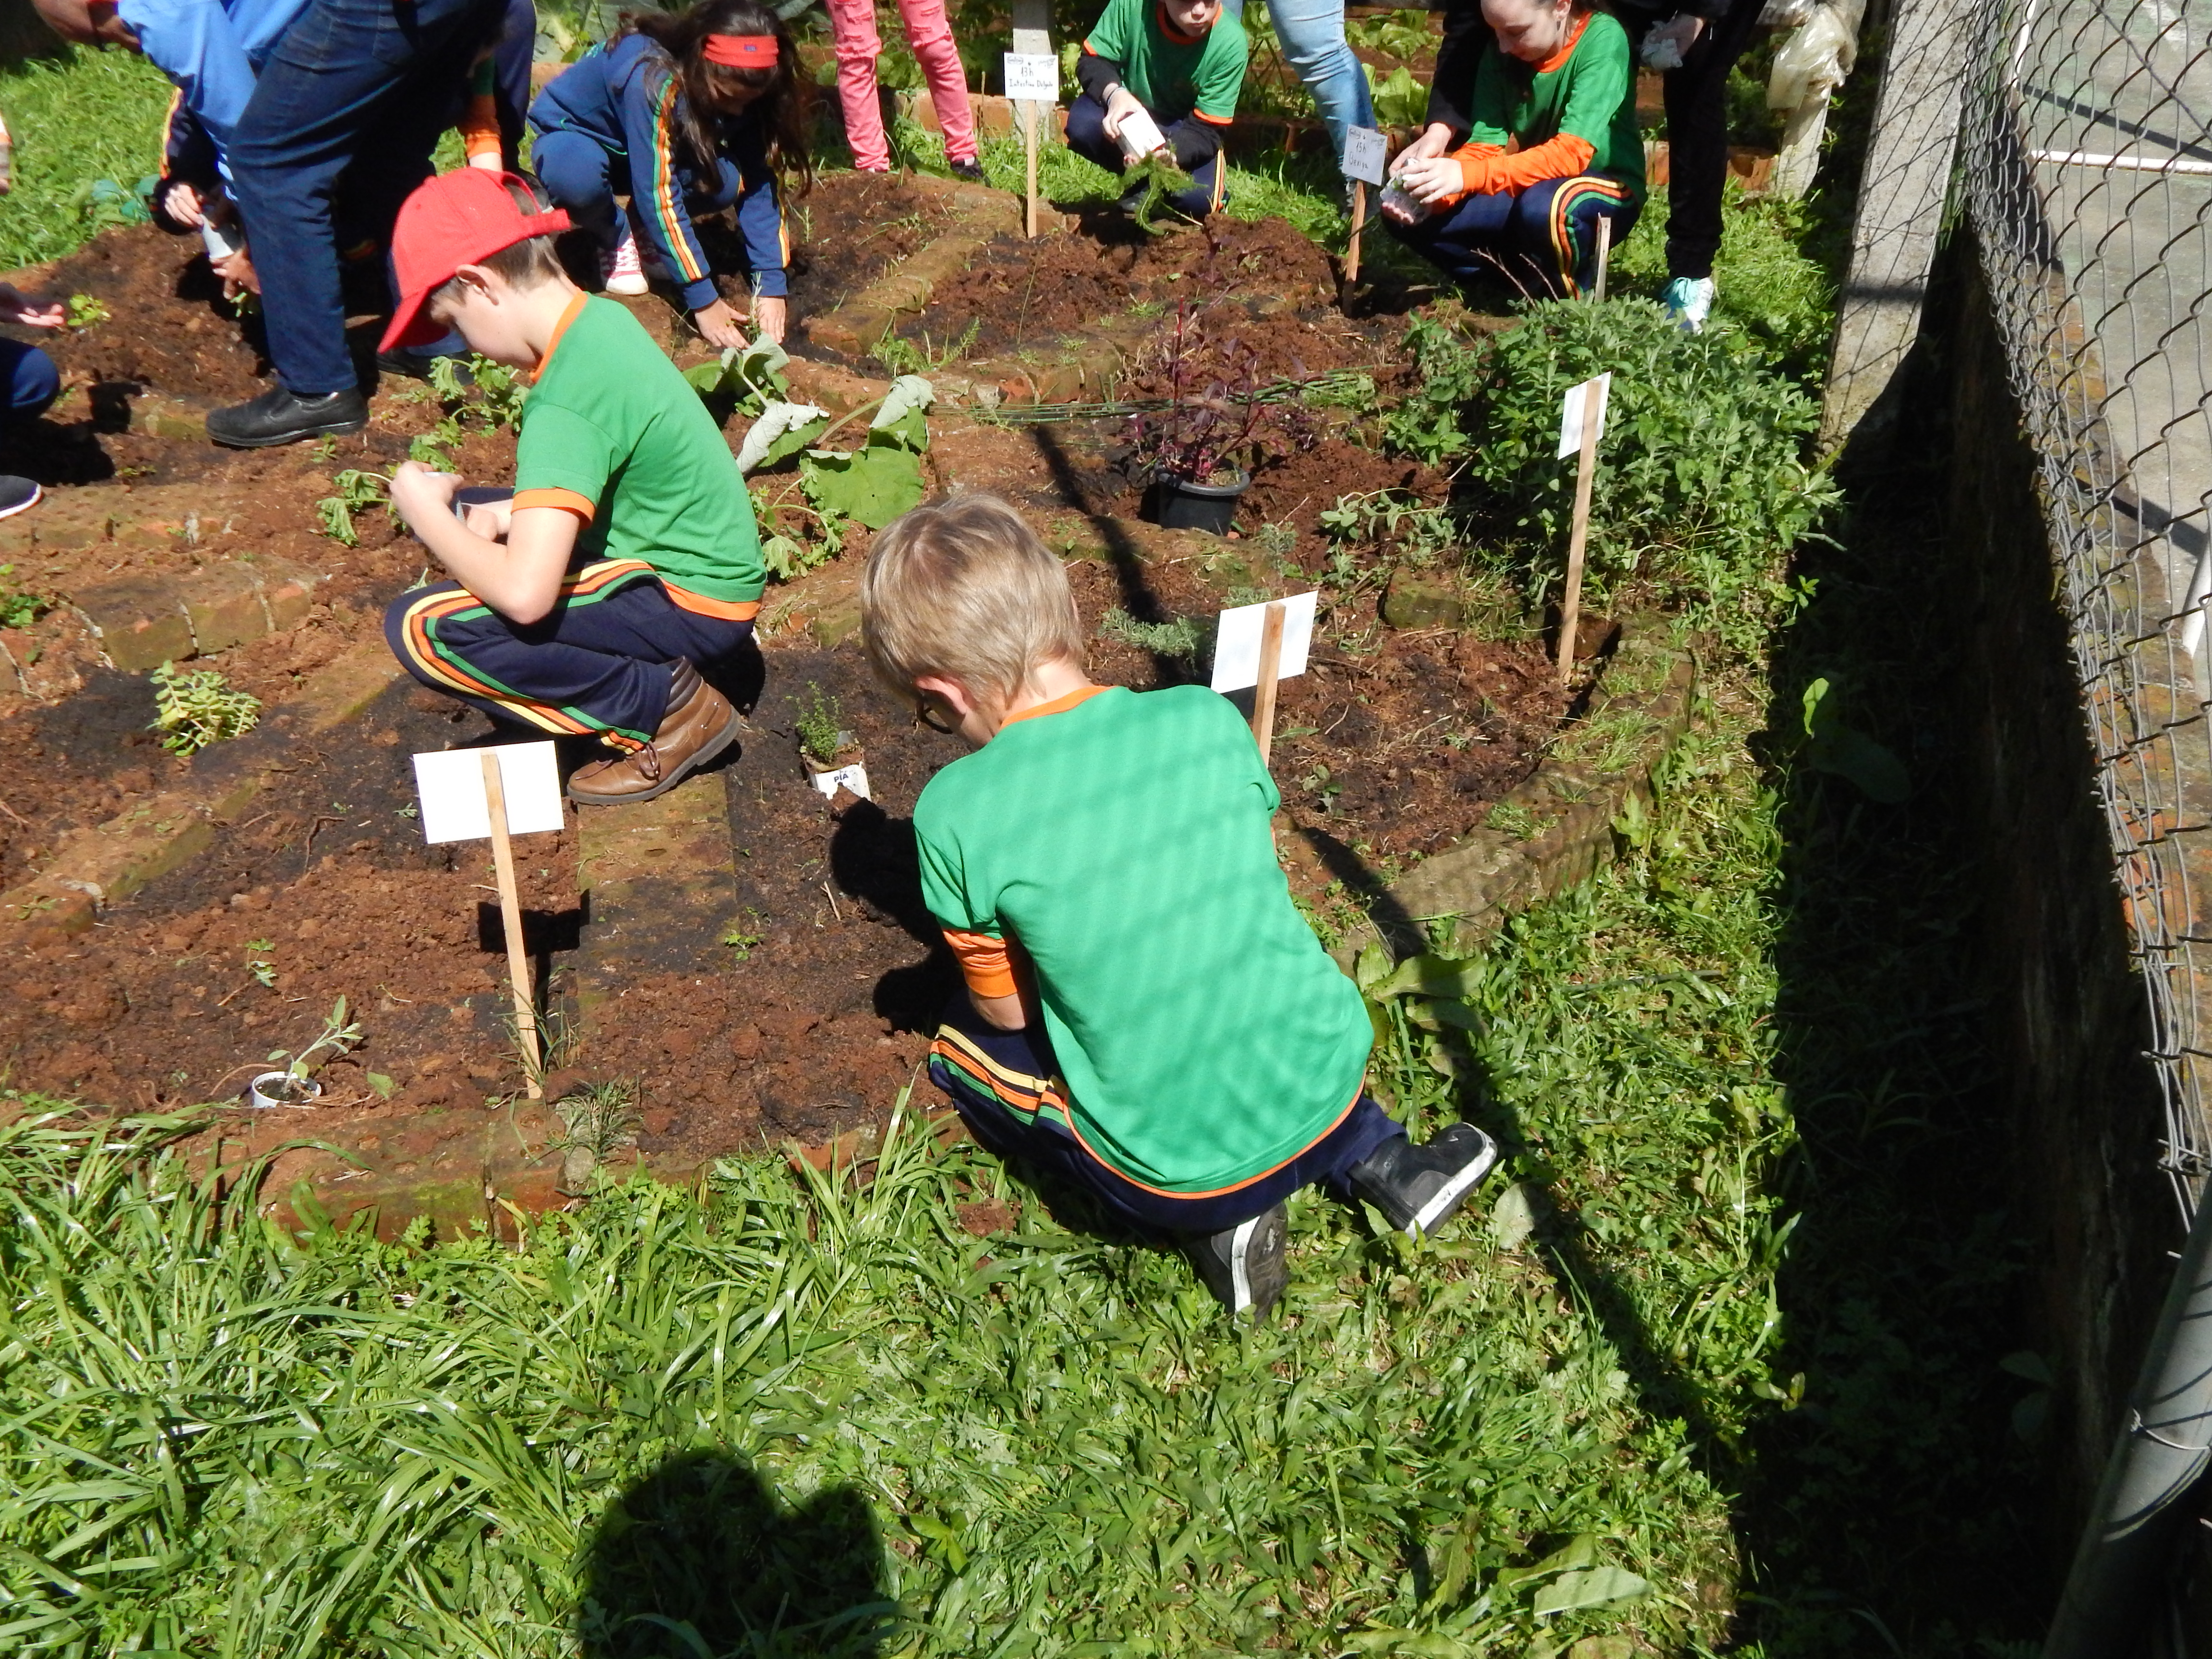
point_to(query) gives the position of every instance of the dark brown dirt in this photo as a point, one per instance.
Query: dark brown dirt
(849, 230)
(815, 1013)
(1021, 294)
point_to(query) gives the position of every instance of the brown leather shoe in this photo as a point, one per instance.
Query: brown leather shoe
(700, 724)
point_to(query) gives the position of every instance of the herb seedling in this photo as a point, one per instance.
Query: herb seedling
(337, 1037)
(1178, 639)
(19, 608)
(743, 939)
(356, 489)
(258, 964)
(86, 311)
(820, 733)
(192, 711)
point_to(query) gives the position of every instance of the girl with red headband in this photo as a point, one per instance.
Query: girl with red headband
(853, 30)
(685, 113)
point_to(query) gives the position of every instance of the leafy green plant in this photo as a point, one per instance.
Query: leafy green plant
(19, 606)
(1179, 638)
(1406, 530)
(492, 391)
(821, 725)
(1448, 373)
(338, 1036)
(86, 311)
(750, 379)
(1155, 179)
(356, 489)
(1701, 487)
(1400, 100)
(598, 1122)
(881, 479)
(745, 936)
(192, 711)
(259, 963)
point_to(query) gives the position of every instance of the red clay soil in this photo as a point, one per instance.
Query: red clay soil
(845, 232)
(814, 1015)
(1021, 294)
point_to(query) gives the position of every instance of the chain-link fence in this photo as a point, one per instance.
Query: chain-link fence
(2085, 144)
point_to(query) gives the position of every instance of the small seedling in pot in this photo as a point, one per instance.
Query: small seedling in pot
(192, 711)
(85, 311)
(822, 738)
(295, 1084)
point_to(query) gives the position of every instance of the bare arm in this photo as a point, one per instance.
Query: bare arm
(521, 577)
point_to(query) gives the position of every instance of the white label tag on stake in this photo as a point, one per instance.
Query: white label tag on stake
(450, 784)
(1365, 153)
(854, 777)
(1570, 412)
(1032, 77)
(1236, 641)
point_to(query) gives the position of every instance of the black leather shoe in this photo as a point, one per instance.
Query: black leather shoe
(279, 417)
(416, 365)
(971, 171)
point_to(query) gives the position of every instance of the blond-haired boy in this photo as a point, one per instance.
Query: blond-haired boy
(1147, 1015)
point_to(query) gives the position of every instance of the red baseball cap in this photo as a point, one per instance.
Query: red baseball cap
(459, 218)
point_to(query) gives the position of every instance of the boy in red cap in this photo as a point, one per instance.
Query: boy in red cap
(627, 558)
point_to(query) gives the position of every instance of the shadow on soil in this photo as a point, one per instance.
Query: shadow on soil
(703, 1556)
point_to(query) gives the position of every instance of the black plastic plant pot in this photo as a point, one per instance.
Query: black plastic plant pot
(1179, 504)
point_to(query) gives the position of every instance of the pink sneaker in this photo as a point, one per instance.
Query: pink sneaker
(623, 271)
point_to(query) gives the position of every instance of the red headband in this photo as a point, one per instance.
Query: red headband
(743, 50)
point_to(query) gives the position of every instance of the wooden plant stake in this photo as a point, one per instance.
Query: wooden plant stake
(1030, 163)
(510, 915)
(1359, 219)
(1585, 468)
(1604, 256)
(1271, 663)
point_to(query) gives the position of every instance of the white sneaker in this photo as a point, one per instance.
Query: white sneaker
(623, 271)
(1689, 301)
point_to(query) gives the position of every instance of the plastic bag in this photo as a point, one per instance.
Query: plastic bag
(1814, 61)
(1787, 14)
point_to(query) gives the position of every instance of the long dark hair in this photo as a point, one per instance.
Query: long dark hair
(784, 106)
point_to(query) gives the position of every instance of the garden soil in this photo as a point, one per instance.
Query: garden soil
(796, 1001)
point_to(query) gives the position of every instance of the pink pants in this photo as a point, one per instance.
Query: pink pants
(853, 25)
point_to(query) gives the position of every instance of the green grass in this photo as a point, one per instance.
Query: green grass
(1044, 1443)
(1768, 286)
(75, 119)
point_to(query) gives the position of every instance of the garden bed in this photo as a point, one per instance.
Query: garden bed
(782, 982)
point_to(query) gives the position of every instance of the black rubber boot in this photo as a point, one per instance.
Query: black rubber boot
(1245, 1266)
(279, 417)
(1420, 1188)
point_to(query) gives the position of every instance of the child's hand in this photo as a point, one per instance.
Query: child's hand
(1435, 140)
(182, 202)
(418, 494)
(24, 313)
(1119, 108)
(1433, 181)
(720, 326)
(238, 275)
(771, 316)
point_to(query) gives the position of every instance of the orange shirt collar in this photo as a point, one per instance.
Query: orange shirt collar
(1057, 706)
(1558, 59)
(575, 309)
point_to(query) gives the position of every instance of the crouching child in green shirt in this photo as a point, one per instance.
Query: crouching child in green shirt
(627, 559)
(1146, 1015)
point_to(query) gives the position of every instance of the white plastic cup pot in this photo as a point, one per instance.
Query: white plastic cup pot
(1405, 207)
(283, 1089)
(1139, 136)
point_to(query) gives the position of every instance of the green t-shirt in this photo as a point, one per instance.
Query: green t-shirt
(610, 425)
(1171, 77)
(1591, 96)
(1204, 1035)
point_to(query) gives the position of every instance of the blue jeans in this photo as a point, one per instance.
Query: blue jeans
(1543, 239)
(583, 176)
(1004, 1118)
(28, 381)
(352, 82)
(1087, 137)
(1312, 34)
